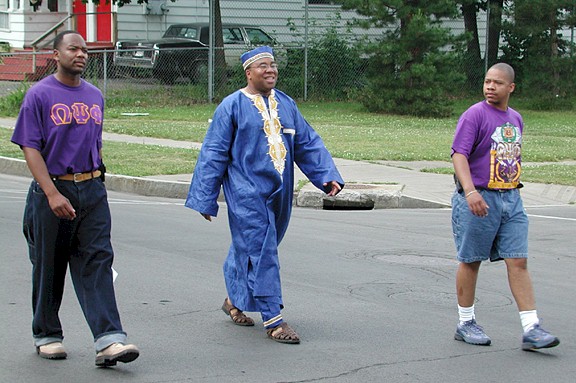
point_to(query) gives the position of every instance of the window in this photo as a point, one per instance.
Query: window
(173, 32)
(320, 2)
(232, 36)
(259, 37)
(189, 33)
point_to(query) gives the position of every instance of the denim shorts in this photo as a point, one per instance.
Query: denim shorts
(503, 233)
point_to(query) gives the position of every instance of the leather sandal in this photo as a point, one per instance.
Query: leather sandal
(283, 334)
(237, 316)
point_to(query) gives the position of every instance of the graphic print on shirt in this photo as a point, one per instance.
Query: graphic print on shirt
(63, 114)
(273, 129)
(505, 157)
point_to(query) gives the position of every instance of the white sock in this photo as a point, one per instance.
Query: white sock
(528, 319)
(465, 313)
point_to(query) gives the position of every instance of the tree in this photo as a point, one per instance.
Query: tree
(410, 69)
(473, 63)
(494, 29)
(534, 46)
(219, 58)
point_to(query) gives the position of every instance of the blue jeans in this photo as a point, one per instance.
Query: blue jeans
(503, 233)
(83, 244)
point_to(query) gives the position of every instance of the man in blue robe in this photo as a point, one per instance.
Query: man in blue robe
(256, 135)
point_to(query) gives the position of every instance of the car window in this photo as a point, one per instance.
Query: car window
(258, 36)
(232, 36)
(172, 32)
(191, 33)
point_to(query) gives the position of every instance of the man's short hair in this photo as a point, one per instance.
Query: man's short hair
(506, 68)
(60, 36)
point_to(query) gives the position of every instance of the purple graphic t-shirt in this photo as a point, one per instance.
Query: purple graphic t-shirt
(491, 139)
(63, 123)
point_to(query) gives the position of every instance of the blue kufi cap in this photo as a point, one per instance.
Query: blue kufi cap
(256, 54)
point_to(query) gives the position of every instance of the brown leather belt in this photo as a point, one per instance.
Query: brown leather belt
(78, 177)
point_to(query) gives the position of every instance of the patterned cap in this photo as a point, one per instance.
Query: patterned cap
(256, 54)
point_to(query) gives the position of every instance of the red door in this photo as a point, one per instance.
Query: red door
(79, 9)
(103, 20)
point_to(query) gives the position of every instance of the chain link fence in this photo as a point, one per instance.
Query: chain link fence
(319, 52)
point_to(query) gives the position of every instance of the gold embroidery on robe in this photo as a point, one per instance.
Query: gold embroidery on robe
(272, 128)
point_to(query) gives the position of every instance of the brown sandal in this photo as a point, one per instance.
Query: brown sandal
(237, 316)
(283, 334)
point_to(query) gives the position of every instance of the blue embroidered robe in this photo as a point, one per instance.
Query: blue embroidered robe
(255, 166)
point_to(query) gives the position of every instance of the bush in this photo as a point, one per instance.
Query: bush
(411, 73)
(336, 67)
(548, 103)
(10, 104)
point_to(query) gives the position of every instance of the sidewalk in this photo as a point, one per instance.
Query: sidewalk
(385, 184)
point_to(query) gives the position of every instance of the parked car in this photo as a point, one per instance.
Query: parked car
(183, 50)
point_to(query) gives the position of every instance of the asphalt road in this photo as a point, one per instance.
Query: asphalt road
(371, 294)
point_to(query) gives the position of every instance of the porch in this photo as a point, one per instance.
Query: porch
(27, 30)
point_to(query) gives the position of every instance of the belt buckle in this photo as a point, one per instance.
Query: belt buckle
(79, 175)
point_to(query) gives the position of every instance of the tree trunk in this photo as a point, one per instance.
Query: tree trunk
(219, 57)
(554, 51)
(473, 59)
(495, 25)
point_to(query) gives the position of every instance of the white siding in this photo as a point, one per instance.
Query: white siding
(273, 16)
(27, 26)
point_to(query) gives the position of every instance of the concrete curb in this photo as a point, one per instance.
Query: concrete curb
(147, 186)
(354, 196)
(14, 167)
(127, 184)
(362, 197)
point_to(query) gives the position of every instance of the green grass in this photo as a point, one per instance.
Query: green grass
(352, 133)
(545, 174)
(127, 159)
(347, 129)
(7, 148)
(146, 160)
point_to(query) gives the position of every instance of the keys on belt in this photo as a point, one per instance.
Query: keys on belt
(78, 177)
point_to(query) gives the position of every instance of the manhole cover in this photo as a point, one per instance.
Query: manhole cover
(417, 260)
(440, 295)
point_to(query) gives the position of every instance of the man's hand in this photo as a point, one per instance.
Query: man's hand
(207, 217)
(334, 188)
(61, 206)
(477, 205)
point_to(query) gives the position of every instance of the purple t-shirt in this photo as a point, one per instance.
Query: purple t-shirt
(491, 139)
(64, 123)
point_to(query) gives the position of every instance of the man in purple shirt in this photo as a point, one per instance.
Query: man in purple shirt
(488, 218)
(67, 219)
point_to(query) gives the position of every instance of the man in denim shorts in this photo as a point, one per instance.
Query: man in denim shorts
(488, 218)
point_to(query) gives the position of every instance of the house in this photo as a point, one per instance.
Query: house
(28, 23)
(23, 22)
(31, 24)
